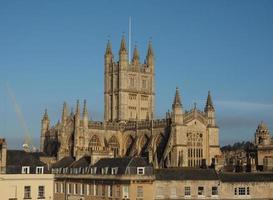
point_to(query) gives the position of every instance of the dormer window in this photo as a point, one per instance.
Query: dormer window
(25, 170)
(39, 170)
(104, 170)
(114, 170)
(140, 170)
(95, 170)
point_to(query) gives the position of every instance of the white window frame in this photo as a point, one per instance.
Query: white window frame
(114, 170)
(203, 191)
(110, 191)
(87, 189)
(241, 191)
(140, 192)
(25, 169)
(139, 169)
(187, 189)
(104, 170)
(38, 170)
(56, 187)
(214, 195)
(81, 189)
(41, 197)
(68, 188)
(75, 188)
(62, 188)
(29, 192)
(95, 190)
(125, 192)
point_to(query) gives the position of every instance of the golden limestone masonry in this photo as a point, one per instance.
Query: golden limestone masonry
(182, 138)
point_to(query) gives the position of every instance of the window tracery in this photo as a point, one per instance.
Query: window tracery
(195, 148)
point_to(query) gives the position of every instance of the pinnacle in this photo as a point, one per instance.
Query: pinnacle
(108, 48)
(65, 108)
(85, 111)
(262, 126)
(45, 115)
(209, 104)
(177, 100)
(65, 111)
(150, 49)
(123, 45)
(135, 54)
(78, 107)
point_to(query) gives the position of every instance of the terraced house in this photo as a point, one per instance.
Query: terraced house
(23, 175)
(134, 178)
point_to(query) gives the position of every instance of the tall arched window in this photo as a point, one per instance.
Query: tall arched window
(114, 145)
(195, 149)
(94, 143)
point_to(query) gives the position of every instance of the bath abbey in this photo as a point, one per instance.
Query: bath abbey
(182, 138)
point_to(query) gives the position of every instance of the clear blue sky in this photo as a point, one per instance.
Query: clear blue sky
(51, 51)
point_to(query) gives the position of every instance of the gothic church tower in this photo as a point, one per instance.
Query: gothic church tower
(128, 86)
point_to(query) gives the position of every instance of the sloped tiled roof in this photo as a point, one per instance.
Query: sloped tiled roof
(64, 162)
(246, 177)
(82, 162)
(18, 158)
(22, 158)
(185, 173)
(121, 163)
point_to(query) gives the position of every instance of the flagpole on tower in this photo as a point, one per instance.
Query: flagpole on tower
(130, 38)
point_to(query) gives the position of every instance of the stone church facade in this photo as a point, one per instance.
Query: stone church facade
(182, 138)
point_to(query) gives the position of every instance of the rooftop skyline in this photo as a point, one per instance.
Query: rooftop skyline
(51, 52)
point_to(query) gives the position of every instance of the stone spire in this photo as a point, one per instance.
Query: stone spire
(210, 111)
(177, 100)
(78, 109)
(123, 48)
(108, 50)
(150, 57)
(150, 52)
(135, 59)
(44, 128)
(209, 104)
(65, 112)
(123, 56)
(45, 117)
(77, 114)
(85, 115)
(177, 112)
(85, 110)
